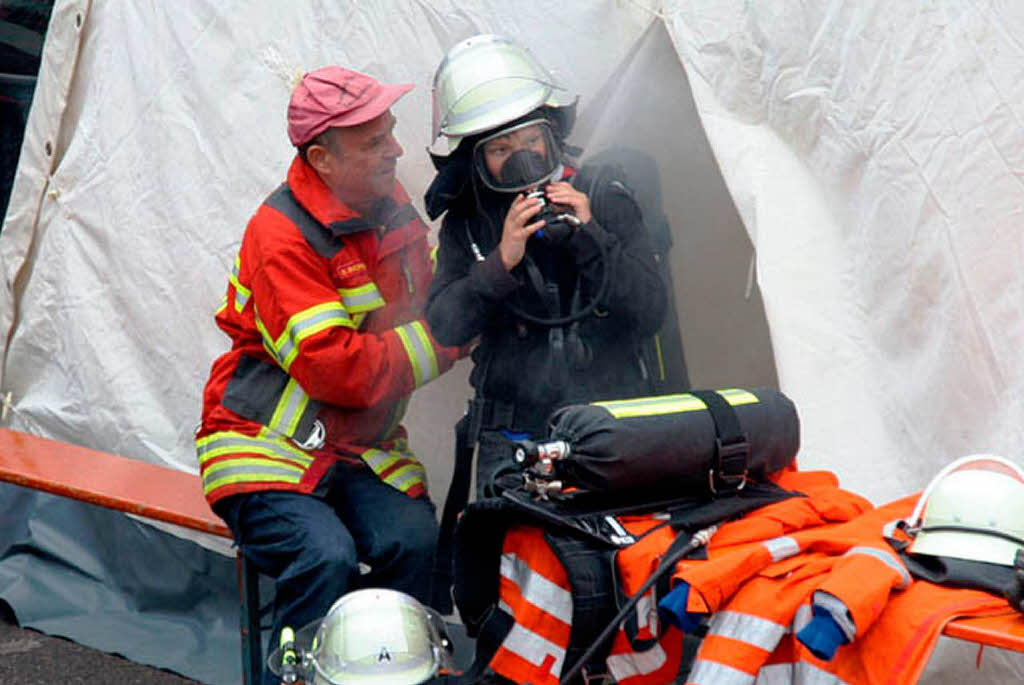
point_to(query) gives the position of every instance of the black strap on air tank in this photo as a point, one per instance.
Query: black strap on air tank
(728, 472)
(322, 240)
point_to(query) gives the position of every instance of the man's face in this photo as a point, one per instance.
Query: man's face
(360, 162)
(497, 150)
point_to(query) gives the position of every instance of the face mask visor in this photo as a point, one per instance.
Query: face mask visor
(518, 158)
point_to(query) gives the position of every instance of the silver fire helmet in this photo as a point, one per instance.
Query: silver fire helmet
(378, 635)
(486, 81)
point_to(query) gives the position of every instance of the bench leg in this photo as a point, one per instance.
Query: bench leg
(249, 615)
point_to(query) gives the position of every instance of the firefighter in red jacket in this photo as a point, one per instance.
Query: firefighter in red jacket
(301, 450)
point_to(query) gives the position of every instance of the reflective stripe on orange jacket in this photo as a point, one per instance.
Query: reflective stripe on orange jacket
(761, 573)
(534, 590)
(534, 587)
(324, 326)
(892, 623)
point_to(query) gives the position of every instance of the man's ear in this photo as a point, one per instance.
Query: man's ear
(318, 157)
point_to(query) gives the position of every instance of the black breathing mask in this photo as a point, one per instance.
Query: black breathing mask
(524, 168)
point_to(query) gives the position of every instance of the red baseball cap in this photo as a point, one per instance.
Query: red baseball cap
(336, 96)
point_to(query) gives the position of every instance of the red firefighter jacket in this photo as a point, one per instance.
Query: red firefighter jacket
(323, 311)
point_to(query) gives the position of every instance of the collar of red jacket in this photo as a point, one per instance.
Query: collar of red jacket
(313, 194)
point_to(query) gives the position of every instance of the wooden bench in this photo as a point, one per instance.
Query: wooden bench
(136, 487)
(1005, 632)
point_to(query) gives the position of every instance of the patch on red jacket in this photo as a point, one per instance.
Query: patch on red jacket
(350, 268)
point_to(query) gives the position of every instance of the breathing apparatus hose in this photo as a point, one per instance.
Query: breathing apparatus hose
(699, 539)
(572, 317)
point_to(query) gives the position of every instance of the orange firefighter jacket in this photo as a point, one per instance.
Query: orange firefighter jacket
(323, 312)
(761, 574)
(534, 587)
(762, 599)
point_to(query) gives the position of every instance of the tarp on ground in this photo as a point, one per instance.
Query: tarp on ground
(857, 165)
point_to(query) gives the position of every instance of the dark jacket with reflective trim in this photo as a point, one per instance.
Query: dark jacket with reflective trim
(514, 361)
(324, 314)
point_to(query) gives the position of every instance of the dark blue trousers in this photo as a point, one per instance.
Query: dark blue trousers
(312, 547)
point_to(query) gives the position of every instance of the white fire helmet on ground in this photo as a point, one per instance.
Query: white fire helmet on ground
(378, 635)
(973, 509)
(486, 81)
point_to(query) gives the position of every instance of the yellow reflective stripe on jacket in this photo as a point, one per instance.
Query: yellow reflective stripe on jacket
(672, 404)
(242, 294)
(433, 259)
(290, 408)
(661, 359)
(401, 478)
(409, 475)
(421, 352)
(365, 298)
(302, 325)
(263, 458)
(396, 413)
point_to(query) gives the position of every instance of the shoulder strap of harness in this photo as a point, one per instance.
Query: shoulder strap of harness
(591, 582)
(325, 243)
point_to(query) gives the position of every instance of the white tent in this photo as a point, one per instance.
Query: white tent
(857, 165)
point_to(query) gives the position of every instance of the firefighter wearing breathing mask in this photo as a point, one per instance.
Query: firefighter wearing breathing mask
(550, 268)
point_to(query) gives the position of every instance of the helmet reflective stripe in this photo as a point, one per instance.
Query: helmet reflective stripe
(528, 91)
(302, 325)
(672, 404)
(364, 298)
(242, 294)
(631, 664)
(420, 351)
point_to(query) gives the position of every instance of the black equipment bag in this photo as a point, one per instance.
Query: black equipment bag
(701, 441)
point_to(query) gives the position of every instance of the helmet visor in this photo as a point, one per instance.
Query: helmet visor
(517, 158)
(392, 639)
